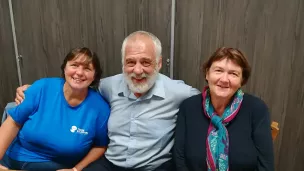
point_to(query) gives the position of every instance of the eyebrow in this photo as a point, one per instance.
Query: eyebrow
(130, 59)
(218, 67)
(84, 63)
(143, 58)
(147, 59)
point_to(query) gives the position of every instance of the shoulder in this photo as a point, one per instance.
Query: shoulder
(253, 102)
(177, 87)
(192, 102)
(110, 82)
(95, 96)
(112, 79)
(47, 83)
(256, 107)
(50, 80)
(110, 85)
(175, 84)
(191, 108)
(97, 101)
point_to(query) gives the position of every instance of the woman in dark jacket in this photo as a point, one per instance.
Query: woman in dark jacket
(224, 128)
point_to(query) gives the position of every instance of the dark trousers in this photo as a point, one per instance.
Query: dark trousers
(31, 166)
(103, 164)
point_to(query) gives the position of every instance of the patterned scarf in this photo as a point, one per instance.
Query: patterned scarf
(217, 143)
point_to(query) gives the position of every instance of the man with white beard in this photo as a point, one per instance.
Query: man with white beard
(144, 106)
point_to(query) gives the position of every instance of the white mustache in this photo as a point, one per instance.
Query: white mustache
(143, 75)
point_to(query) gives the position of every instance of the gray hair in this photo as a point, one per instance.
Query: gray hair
(155, 40)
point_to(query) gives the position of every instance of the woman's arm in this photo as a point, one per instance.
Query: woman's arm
(262, 138)
(8, 131)
(100, 140)
(178, 149)
(94, 154)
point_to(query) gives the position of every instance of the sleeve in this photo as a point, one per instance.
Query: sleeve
(262, 138)
(179, 142)
(10, 105)
(194, 91)
(101, 137)
(104, 89)
(21, 113)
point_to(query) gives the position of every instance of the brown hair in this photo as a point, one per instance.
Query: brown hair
(232, 54)
(90, 57)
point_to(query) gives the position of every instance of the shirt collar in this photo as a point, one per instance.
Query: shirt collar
(123, 88)
(156, 90)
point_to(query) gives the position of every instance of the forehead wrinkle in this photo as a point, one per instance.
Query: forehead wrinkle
(140, 44)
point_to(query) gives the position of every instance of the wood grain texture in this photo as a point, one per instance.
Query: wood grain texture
(8, 68)
(269, 33)
(292, 145)
(47, 30)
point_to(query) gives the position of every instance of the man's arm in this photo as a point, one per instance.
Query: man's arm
(194, 92)
(20, 93)
(104, 89)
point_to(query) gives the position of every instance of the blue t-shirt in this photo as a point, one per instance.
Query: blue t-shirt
(52, 130)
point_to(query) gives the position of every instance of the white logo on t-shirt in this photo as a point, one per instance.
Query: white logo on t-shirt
(74, 129)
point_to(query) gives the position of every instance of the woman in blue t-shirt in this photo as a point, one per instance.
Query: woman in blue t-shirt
(62, 122)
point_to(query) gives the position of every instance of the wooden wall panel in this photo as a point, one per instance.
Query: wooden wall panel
(8, 68)
(269, 33)
(292, 143)
(46, 30)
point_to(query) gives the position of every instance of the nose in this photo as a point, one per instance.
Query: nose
(224, 78)
(138, 69)
(79, 71)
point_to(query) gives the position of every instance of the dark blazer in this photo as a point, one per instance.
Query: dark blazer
(250, 141)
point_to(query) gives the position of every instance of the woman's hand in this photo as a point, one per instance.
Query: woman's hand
(3, 168)
(65, 170)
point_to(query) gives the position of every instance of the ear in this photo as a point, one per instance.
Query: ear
(207, 74)
(241, 83)
(160, 63)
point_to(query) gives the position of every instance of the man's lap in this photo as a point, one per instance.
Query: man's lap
(103, 164)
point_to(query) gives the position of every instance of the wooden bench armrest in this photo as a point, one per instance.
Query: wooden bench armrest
(274, 130)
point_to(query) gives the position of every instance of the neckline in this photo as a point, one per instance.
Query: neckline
(66, 102)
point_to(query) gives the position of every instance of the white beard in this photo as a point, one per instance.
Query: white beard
(141, 87)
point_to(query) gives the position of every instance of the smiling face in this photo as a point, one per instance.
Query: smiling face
(140, 66)
(79, 73)
(224, 78)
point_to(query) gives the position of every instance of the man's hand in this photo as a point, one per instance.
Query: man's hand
(65, 170)
(3, 168)
(20, 94)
